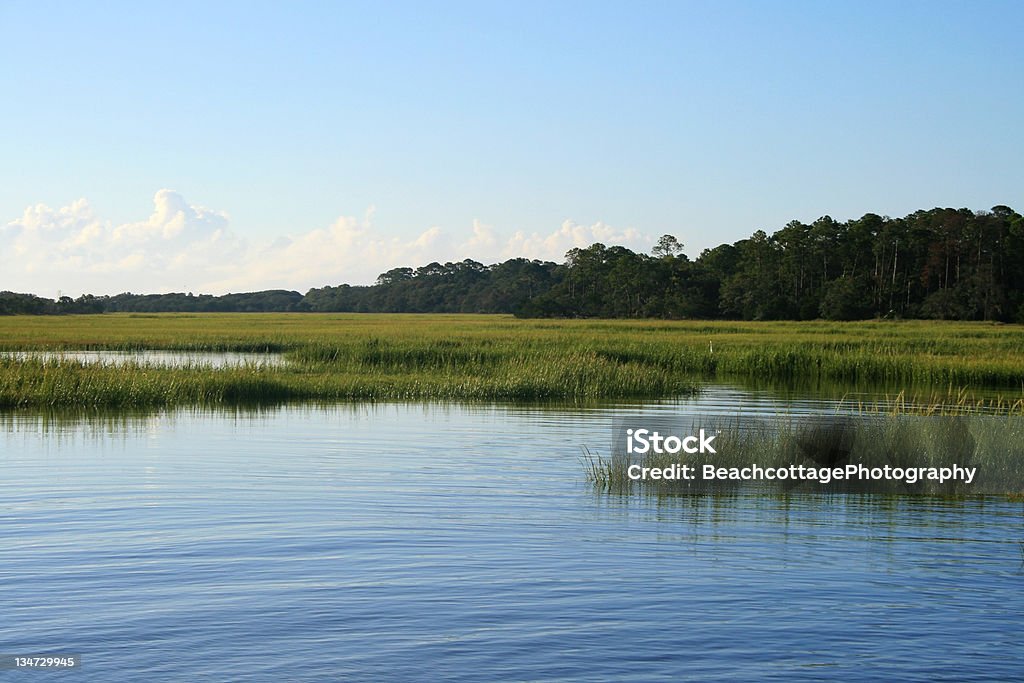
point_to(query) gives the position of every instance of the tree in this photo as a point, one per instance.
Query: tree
(667, 246)
(395, 275)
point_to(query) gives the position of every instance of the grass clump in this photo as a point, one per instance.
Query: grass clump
(991, 444)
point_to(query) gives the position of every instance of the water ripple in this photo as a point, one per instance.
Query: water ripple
(410, 542)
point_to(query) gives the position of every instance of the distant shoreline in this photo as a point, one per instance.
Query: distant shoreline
(945, 264)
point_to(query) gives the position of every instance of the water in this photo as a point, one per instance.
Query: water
(172, 359)
(427, 542)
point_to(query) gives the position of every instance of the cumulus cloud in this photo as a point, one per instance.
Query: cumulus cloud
(71, 249)
(349, 250)
(186, 247)
(483, 239)
(552, 246)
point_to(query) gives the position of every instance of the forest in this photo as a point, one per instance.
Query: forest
(940, 263)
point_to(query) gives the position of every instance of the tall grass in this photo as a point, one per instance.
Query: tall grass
(353, 356)
(992, 444)
(56, 382)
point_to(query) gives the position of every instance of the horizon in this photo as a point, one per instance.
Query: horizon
(297, 147)
(487, 264)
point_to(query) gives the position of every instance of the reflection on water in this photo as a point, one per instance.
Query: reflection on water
(867, 396)
(432, 542)
(717, 400)
(170, 359)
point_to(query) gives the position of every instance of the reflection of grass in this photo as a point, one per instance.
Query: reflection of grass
(994, 444)
(351, 356)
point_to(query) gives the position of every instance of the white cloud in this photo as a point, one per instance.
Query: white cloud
(174, 222)
(186, 247)
(552, 247)
(72, 250)
(482, 241)
(348, 250)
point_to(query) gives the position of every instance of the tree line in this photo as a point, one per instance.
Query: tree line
(940, 263)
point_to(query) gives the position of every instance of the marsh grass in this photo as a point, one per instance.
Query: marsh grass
(911, 438)
(955, 401)
(56, 382)
(476, 357)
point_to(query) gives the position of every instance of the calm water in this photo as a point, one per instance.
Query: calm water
(412, 542)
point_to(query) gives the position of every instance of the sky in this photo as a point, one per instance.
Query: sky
(238, 146)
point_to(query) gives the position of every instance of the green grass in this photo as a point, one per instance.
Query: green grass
(472, 357)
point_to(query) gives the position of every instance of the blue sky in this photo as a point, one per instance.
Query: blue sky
(175, 147)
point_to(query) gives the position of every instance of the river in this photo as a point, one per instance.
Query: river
(398, 542)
